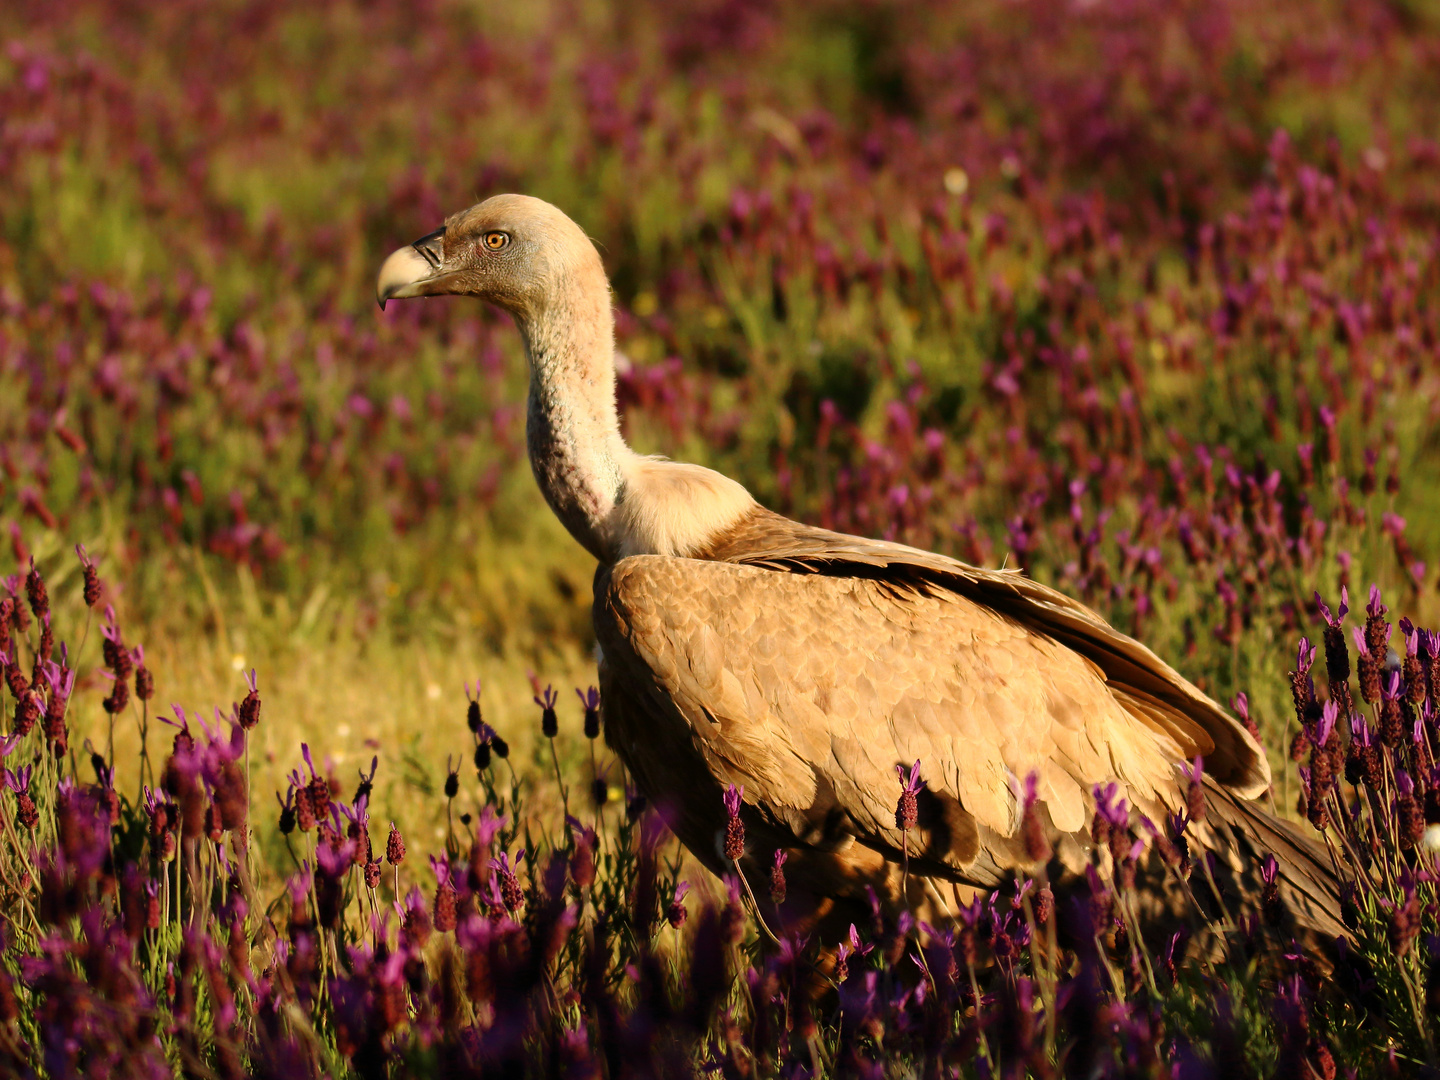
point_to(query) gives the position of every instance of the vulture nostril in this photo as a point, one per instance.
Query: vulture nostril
(432, 247)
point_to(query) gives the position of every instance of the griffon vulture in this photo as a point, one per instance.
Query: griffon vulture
(740, 647)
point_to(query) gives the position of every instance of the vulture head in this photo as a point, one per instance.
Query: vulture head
(515, 251)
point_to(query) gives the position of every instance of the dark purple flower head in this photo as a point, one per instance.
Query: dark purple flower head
(590, 702)
(549, 722)
(511, 894)
(91, 576)
(394, 846)
(473, 720)
(777, 877)
(907, 808)
(287, 811)
(248, 711)
(1032, 830)
(734, 845)
(1195, 790)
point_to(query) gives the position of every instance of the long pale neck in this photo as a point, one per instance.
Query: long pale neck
(613, 501)
(572, 430)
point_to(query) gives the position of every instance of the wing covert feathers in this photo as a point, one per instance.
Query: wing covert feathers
(808, 690)
(1192, 718)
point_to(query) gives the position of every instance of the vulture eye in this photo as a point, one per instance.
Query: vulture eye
(496, 240)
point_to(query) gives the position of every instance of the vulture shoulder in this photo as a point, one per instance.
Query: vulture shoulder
(806, 665)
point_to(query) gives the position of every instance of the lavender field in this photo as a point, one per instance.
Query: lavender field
(1142, 296)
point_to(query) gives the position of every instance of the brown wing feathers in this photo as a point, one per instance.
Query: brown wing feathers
(806, 665)
(809, 689)
(1159, 694)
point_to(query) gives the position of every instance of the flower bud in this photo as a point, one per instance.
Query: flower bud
(1037, 845)
(444, 918)
(36, 593)
(304, 808)
(734, 827)
(395, 846)
(777, 878)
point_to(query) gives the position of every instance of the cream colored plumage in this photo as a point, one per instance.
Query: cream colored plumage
(804, 665)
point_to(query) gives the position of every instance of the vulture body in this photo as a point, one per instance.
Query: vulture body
(740, 647)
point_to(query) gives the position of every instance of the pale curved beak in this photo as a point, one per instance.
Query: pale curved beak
(414, 270)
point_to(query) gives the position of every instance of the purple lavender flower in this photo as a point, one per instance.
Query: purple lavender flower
(907, 809)
(1337, 657)
(1195, 790)
(734, 845)
(777, 878)
(590, 702)
(549, 722)
(675, 913)
(249, 709)
(1032, 832)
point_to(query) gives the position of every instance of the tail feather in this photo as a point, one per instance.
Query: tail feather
(1242, 834)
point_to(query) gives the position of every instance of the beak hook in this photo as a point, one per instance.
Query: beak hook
(406, 272)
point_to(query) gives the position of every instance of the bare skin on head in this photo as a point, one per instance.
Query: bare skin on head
(740, 647)
(525, 256)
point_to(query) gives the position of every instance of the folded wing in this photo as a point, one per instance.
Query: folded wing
(809, 688)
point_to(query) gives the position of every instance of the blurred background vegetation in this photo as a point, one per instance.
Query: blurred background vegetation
(1068, 285)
